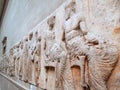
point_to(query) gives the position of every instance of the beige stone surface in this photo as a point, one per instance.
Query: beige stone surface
(75, 48)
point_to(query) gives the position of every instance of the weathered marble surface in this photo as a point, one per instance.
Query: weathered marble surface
(75, 48)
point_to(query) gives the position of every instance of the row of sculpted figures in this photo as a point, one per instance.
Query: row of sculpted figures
(65, 57)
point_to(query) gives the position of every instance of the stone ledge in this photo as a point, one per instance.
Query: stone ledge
(14, 82)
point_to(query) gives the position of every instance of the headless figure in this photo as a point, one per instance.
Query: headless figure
(49, 63)
(20, 61)
(11, 62)
(75, 32)
(25, 57)
(49, 41)
(38, 58)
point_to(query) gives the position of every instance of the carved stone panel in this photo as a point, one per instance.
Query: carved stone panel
(71, 49)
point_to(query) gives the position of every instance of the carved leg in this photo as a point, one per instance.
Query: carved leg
(61, 71)
(39, 70)
(33, 73)
(37, 73)
(76, 77)
(19, 68)
(23, 70)
(86, 71)
(16, 68)
(82, 61)
(58, 77)
(50, 78)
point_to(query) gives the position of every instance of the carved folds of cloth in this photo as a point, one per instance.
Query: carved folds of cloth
(102, 60)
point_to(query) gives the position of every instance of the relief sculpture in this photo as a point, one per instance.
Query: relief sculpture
(25, 60)
(38, 58)
(65, 52)
(104, 59)
(50, 63)
(75, 42)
